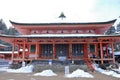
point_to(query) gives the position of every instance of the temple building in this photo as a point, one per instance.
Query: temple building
(63, 40)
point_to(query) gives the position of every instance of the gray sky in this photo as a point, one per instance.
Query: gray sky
(49, 10)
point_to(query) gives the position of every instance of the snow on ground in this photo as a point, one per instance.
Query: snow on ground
(106, 72)
(117, 53)
(3, 69)
(76, 73)
(10, 79)
(79, 73)
(26, 69)
(46, 73)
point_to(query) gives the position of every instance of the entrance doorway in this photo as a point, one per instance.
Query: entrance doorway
(62, 50)
(77, 50)
(46, 50)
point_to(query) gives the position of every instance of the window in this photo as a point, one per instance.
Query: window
(33, 48)
(91, 48)
(47, 50)
(77, 49)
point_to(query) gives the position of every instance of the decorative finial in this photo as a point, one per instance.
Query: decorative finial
(62, 15)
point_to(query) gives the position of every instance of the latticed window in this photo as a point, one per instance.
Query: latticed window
(33, 48)
(62, 49)
(91, 48)
(47, 50)
(77, 49)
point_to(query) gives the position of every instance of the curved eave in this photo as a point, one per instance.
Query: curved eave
(58, 36)
(50, 36)
(59, 23)
(11, 38)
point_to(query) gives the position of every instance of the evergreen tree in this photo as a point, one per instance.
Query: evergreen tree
(110, 31)
(3, 27)
(12, 31)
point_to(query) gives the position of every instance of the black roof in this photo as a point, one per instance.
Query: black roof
(66, 23)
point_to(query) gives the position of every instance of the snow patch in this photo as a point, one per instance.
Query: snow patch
(106, 72)
(10, 79)
(3, 69)
(26, 69)
(46, 73)
(79, 73)
(117, 53)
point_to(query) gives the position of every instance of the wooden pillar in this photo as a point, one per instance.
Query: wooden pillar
(12, 56)
(29, 48)
(36, 51)
(23, 53)
(101, 52)
(85, 51)
(40, 55)
(96, 50)
(54, 51)
(18, 55)
(87, 58)
(107, 53)
(70, 50)
(113, 52)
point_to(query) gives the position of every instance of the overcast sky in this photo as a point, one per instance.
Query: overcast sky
(49, 10)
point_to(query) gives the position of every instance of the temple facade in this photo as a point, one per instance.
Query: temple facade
(68, 41)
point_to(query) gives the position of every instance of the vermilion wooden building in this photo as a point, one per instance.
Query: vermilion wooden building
(71, 41)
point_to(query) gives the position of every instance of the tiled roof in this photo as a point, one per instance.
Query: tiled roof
(64, 23)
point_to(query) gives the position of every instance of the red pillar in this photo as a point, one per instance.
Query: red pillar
(36, 51)
(96, 50)
(107, 53)
(87, 58)
(70, 50)
(12, 56)
(40, 51)
(23, 53)
(18, 55)
(113, 52)
(54, 51)
(85, 51)
(29, 48)
(101, 52)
